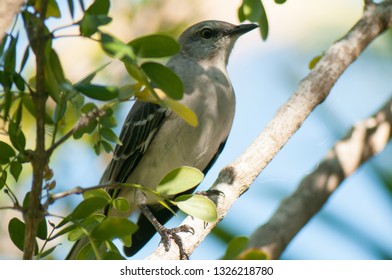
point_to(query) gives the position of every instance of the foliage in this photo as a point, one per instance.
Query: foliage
(66, 109)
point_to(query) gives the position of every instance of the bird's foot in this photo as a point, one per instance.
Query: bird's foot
(172, 233)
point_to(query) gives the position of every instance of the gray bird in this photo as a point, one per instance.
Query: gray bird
(156, 141)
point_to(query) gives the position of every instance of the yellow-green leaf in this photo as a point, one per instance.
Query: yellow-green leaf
(197, 206)
(180, 180)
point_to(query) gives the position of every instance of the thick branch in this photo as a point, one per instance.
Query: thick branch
(34, 213)
(8, 9)
(236, 178)
(366, 139)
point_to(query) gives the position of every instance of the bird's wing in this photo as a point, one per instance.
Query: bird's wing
(140, 127)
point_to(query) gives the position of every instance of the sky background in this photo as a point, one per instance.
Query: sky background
(356, 221)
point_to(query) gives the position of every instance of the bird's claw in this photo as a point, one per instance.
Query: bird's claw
(172, 233)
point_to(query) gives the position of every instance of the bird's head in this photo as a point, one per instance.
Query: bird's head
(211, 40)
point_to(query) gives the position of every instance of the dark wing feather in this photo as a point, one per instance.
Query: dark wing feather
(140, 126)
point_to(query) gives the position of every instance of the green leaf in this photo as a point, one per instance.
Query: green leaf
(253, 254)
(106, 146)
(180, 180)
(315, 60)
(113, 227)
(24, 59)
(253, 10)
(6, 152)
(154, 46)
(182, 111)
(71, 8)
(10, 55)
(17, 137)
(52, 9)
(86, 129)
(116, 48)
(98, 92)
(128, 91)
(97, 193)
(16, 230)
(197, 206)
(95, 16)
(109, 135)
(235, 247)
(88, 206)
(3, 178)
(42, 231)
(126, 240)
(165, 79)
(48, 252)
(87, 252)
(90, 24)
(113, 256)
(29, 105)
(15, 169)
(280, 1)
(87, 225)
(19, 82)
(121, 204)
(135, 72)
(108, 120)
(99, 7)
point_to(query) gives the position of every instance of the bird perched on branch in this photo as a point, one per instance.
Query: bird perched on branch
(155, 140)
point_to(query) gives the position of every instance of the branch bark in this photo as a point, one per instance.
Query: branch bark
(365, 139)
(8, 10)
(236, 178)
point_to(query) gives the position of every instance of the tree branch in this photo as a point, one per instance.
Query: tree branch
(365, 140)
(8, 9)
(35, 213)
(236, 178)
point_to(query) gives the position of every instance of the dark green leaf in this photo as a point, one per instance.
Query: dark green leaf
(135, 72)
(108, 120)
(17, 137)
(99, 7)
(10, 55)
(19, 82)
(86, 226)
(42, 231)
(88, 107)
(116, 48)
(15, 169)
(24, 59)
(90, 24)
(113, 227)
(197, 206)
(154, 46)
(63, 231)
(103, 93)
(55, 66)
(59, 111)
(235, 247)
(16, 230)
(6, 152)
(280, 1)
(180, 180)
(71, 8)
(165, 79)
(107, 147)
(88, 207)
(87, 129)
(3, 178)
(87, 252)
(26, 201)
(109, 135)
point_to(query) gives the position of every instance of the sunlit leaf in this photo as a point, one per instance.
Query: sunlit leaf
(197, 206)
(116, 48)
(182, 111)
(97, 193)
(180, 180)
(253, 10)
(88, 207)
(121, 204)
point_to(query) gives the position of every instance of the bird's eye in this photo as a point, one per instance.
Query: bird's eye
(206, 33)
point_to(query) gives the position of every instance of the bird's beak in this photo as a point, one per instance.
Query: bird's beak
(241, 29)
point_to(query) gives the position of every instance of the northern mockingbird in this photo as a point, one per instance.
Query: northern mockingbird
(156, 141)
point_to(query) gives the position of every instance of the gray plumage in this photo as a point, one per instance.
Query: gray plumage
(155, 140)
